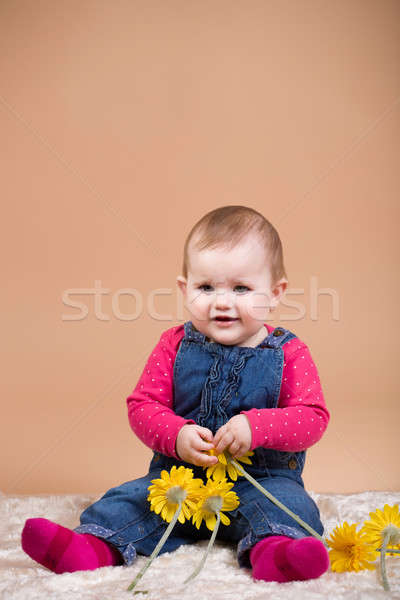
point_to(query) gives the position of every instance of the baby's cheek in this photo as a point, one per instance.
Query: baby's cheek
(197, 305)
(256, 306)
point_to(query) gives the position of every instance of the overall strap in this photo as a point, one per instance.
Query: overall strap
(278, 338)
(193, 334)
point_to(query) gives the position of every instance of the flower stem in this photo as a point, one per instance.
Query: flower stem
(385, 582)
(277, 502)
(209, 546)
(157, 548)
(388, 550)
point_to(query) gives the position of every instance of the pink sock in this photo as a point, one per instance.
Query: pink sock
(63, 550)
(280, 558)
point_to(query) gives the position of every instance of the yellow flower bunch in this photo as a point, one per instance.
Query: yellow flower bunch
(353, 550)
(197, 500)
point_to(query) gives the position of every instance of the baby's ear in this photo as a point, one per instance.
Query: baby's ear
(182, 283)
(282, 285)
(279, 291)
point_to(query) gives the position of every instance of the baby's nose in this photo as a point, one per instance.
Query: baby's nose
(223, 299)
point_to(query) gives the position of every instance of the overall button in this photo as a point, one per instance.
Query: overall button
(278, 332)
(292, 464)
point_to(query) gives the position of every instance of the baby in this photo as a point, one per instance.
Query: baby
(225, 380)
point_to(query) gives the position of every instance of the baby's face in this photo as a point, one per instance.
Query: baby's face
(228, 293)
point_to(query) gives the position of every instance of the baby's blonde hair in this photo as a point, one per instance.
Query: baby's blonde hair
(227, 226)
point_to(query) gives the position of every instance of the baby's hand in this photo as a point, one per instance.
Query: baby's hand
(234, 435)
(191, 442)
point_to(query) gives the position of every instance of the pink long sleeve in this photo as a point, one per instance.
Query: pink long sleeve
(150, 404)
(301, 417)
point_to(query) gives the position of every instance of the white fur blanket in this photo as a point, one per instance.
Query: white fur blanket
(221, 579)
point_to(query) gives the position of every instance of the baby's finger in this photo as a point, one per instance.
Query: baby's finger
(234, 448)
(205, 433)
(203, 460)
(225, 441)
(220, 434)
(202, 446)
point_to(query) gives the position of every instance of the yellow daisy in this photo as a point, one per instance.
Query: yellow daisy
(223, 466)
(176, 486)
(216, 497)
(350, 549)
(173, 490)
(382, 521)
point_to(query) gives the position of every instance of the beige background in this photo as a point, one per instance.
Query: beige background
(122, 123)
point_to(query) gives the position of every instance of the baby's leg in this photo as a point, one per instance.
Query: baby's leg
(113, 531)
(272, 543)
(280, 558)
(62, 550)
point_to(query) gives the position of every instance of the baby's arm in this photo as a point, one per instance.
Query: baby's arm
(150, 408)
(301, 417)
(150, 411)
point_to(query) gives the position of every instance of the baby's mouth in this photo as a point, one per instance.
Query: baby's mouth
(221, 318)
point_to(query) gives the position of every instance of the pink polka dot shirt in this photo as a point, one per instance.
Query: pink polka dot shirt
(297, 423)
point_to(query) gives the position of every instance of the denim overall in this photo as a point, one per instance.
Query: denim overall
(212, 383)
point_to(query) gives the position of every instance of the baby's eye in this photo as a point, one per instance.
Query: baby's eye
(205, 285)
(242, 288)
